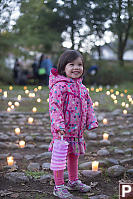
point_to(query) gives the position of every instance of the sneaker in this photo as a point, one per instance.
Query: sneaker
(78, 185)
(62, 192)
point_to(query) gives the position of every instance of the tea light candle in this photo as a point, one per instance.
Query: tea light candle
(105, 136)
(22, 144)
(9, 103)
(95, 165)
(96, 103)
(19, 97)
(16, 104)
(5, 94)
(25, 87)
(10, 161)
(34, 109)
(124, 112)
(10, 88)
(38, 100)
(39, 87)
(9, 109)
(27, 91)
(48, 100)
(30, 120)
(35, 89)
(108, 93)
(105, 121)
(17, 131)
(12, 107)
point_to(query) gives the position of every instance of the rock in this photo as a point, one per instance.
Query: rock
(116, 112)
(118, 151)
(28, 138)
(100, 197)
(3, 145)
(29, 157)
(116, 171)
(4, 156)
(43, 146)
(92, 135)
(33, 166)
(130, 172)
(4, 137)
(104, 142)
(17, 156)
(126, 133)
(17, 177)
(103, 152)
(40, 138)
(30, 146)
(44, 155)
(111, 161)
(45, 178)
(127, 161)
(85, 165)
(129, 150)
(46, 166)
(90, 174)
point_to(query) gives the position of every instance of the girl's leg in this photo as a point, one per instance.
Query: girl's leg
(59, 177)
(72, 165)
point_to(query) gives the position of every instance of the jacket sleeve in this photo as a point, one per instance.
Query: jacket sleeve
(91, 122)
(56, 103)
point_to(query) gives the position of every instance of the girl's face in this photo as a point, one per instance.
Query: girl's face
(74, 69)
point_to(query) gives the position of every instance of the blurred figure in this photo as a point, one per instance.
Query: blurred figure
(42, 70)
(16, 70)
(48, 65)
(35, 69)
(45, 66)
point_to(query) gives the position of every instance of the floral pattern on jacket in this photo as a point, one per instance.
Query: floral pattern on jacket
(70, 106)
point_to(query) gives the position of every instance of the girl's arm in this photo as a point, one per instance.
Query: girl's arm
(56, 103)
(91, 118)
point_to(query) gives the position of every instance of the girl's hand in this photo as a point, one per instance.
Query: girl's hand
(61, 133)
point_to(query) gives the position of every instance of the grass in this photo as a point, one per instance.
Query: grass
(106, 103)
(35, 174)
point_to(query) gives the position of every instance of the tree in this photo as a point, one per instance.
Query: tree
(121, 24)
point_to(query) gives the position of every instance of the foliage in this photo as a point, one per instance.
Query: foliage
(5, 74)
(109, 74)
(35, 174)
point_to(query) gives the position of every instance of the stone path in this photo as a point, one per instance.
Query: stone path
(115, 155)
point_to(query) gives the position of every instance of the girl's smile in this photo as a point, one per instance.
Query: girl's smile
(74, 69)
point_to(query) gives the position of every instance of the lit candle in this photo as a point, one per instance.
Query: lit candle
(10, 161)
(21, 144)
(19, 97)
(115, 101)
(96, 103)
(35, 89)
(30, 120)
(124, 112)
(39, 87)
(92, 88)
(16, 104)
(10, 88)
(5, 94)
(12, 107)
(38, 100)
(127, 105)
(95, 165)
(26, 91)
(17, 131)
(9, 103)
(105, 136)
(108, 93)
(25, 87)
(8, 109)
(105, 121)
(34, 109)
(48, 100)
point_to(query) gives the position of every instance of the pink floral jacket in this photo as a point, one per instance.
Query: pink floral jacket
(70, 106)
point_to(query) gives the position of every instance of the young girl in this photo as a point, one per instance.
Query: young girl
(71, 112)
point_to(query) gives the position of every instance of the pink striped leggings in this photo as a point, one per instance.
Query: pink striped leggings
(72, 166)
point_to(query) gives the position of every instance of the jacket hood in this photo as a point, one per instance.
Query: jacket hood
(55, 78)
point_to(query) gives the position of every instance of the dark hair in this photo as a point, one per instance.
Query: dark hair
(41, 59)
(67, 57)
